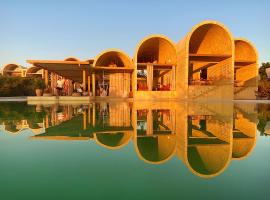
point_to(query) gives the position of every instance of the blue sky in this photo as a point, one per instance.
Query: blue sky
(58, 29)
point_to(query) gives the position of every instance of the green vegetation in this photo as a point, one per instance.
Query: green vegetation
(19, 86)
(263, 117)
(262, 71)
(12, 113)
(264, 83)
(39, 83)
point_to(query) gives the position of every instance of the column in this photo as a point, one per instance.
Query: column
(89, 84)
(46, 77)
(93, 85)
(84, 120)
(149, 118)
(84, 80)
(150, 77)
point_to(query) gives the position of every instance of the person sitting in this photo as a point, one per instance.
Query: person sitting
(78, 88)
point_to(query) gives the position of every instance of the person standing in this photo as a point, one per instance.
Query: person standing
(59, 86)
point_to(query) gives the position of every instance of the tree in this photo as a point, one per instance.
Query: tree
(262, 70)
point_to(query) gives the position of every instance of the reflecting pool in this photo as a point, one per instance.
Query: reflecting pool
(134, 150)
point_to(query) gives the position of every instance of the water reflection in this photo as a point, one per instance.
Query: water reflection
(206, 137)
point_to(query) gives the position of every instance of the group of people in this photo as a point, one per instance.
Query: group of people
(63, 87)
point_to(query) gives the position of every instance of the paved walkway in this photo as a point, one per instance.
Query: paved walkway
(23, 98)
(3, 99)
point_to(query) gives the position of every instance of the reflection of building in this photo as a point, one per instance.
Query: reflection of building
(244, 131)
(15, 127)
(155, 141)
(267, 128)
(209, 145)
(206, 137)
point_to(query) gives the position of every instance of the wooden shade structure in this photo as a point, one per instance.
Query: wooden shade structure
(208, 47)
(72, 70)
(245, 70)
(13, 70)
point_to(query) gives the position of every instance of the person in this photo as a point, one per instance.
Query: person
(66, 87)
(78, 88)
(59, 86)
(103, 92)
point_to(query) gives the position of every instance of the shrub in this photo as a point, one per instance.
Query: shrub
(39, 83)
(264, 88)
(19, 86)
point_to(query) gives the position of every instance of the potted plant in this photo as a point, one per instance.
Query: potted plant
(39, 85)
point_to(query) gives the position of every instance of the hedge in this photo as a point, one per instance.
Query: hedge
(17, 86)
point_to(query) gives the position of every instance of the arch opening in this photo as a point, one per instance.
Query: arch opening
(245, 70)
(210, 55)
(34, 72)
(113, 59)
(156, 61)
(113, 71)
(13, 70)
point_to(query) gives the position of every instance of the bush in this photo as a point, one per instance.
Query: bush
(39, 83)
(19, 86)
(264, 88)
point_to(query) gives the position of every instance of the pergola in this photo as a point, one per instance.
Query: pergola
(73, 69)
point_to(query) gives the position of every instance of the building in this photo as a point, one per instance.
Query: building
(207, 64)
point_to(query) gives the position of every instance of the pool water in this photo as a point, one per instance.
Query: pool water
(134, 150)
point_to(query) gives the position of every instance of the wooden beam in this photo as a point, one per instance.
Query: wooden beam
(57, 62)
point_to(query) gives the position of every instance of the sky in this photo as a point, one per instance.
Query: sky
(56, 29)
